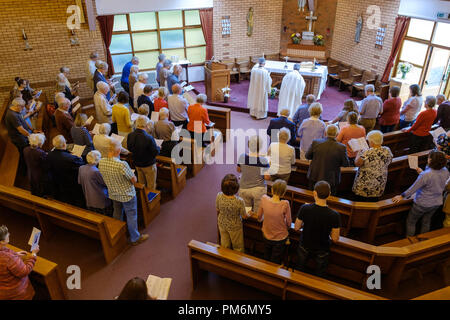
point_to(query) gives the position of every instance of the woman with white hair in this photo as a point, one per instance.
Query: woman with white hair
(311, 129)
(198, 116)
(373, 164)
(35, 158)
(81, 135)
(164, 128)
(101, 140)
(94, 188)
(282, 157)
(103, 109)
(138, 88)
(132, 80)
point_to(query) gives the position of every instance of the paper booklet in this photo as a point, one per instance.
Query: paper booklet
(159, 142)
(134, 116)
(96, 129)
(413, 162)
(188, 88)
(436, 133)
(211, 124)
(75, 100)
(78, 150)
(158, 288)
(34, 238)
(248, 209)
(358, 144)
(117, 137)
(183, 84)
(75, 109)
(342, 124)
(89, 120)
(155, 116)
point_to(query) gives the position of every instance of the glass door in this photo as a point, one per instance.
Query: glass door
(437, 73)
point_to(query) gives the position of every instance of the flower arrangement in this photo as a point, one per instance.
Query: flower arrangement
(296, 37)
(273, 93)
(404, 67)
(318, 40)
(226, 93)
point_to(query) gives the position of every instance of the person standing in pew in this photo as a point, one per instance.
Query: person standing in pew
(311, 129)
(411, 107)
(63, 119)
(428, 189)
(230, 211)
(371, 107)
(161, 101)
(352, 131)
(327, 157)
(143, 150)
(18, 129)
(320, 223)
(120, 181)
(144, 98)
(282, 122)
(121, 116)
(390, 115)
(63, 169)
(103, 108)
(443, 112)
(198, 120)
(14, 270)
(276, 216)
(302, 112)
(124, 81)
(178, 106)
(420, 138)
(80, 135)
(99, 76)
(164, 129)
(36, 160)
(94, 188)
(373, 164)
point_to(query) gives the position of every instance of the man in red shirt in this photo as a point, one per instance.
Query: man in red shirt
(198, 116)
(420, 138)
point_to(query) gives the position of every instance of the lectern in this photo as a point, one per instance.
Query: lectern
(217, 76)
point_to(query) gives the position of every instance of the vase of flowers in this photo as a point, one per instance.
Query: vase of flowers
(226, 94)
(318, 40)
(273, 93)
(296, 37)
(404, 67)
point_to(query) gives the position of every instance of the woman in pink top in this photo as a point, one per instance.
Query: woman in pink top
(276, 214)
(352, 131)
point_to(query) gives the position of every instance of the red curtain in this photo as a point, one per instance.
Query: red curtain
(401, 27)
(106, 28)
(206, 18)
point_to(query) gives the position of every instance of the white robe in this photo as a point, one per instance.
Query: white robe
(260, 86)
(291, 92)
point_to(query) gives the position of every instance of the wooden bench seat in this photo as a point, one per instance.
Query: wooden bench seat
(349, 259)
(170, 175)
(149, 204)
(441, 294)
(45, 278)
(266, 276)
(110, 232)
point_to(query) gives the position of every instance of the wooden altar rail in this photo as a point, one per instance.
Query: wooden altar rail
(266, 276)
(398, 261)
(400, 176)
(45, 279)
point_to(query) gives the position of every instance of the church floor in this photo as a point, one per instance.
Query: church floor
(332, 99)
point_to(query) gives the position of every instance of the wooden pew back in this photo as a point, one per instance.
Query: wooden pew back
(267, 276)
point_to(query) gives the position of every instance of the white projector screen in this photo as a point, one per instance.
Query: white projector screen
(108, 7)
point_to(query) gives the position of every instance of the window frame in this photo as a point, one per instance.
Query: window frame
(428, 55)
(158, 32)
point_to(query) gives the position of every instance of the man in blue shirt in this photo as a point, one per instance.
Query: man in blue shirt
(174, 78)
(126, 73)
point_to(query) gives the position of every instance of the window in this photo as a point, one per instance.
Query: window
(147, 34)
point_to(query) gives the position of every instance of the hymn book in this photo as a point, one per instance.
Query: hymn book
(78, 150)
(159, 142)
(436, 133)
(117, 137)
(158, 288)
(358, 144)
(413, 162)
(342, 124)
(89, 120)
(34, 238)
(75, 100)
(155, 116)
(188, 88)
(75, 109)
(96, 129)
(134, 116)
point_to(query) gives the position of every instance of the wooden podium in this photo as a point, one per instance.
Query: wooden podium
(217, 76)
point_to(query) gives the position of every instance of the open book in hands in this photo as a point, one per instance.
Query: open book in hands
(359, 144)
(158, 288)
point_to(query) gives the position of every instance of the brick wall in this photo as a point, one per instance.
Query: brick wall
(45, 25)
(295, 21)
(363, 55)
(266, 30)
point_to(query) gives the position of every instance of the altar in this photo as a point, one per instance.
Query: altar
(316, 80)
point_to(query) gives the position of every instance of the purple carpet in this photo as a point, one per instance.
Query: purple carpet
(332, 99)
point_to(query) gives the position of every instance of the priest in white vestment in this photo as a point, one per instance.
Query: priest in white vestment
(258, 92)
(291, 91)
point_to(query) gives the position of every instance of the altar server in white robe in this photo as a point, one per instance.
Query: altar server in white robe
(291, 91)
(260, 86)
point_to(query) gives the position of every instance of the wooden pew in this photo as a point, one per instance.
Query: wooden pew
(441, 294)
(149, 204)
(400, 176)
(398, 141)
(365, 220)
(110, 232)
(222, 119)
(349, 259)
(170, 175)
(266, 276)
(45, 278)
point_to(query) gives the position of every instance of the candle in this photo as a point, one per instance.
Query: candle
(24, 35)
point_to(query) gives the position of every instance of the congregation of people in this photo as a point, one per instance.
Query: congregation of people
(97, 179)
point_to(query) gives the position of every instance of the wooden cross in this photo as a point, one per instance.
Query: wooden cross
(311, 18)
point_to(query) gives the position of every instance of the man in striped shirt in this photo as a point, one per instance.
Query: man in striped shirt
(120, 181)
